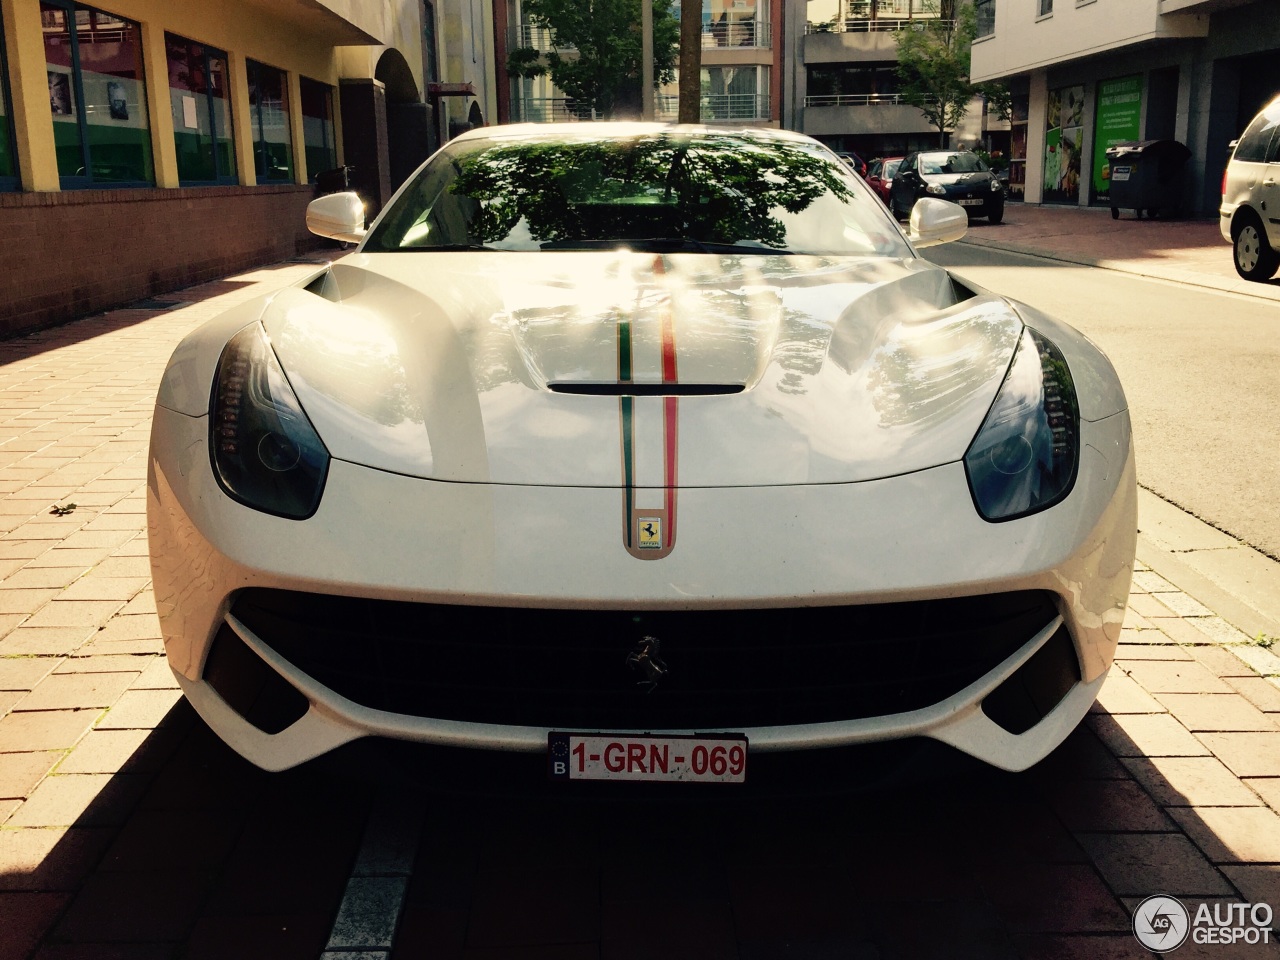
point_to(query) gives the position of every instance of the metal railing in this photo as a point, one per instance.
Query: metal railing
(716, 108)
(531, 35)
(854, 100)
(863, 26)
(744, 33)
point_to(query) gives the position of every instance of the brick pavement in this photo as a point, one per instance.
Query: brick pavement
(127, 830)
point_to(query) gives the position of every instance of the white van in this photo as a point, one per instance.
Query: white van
(1250, 213)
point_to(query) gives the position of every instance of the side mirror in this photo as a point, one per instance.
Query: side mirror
(936, 221)
(338, 216)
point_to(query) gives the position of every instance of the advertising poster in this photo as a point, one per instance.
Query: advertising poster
(1064, 137)
(1118, 120)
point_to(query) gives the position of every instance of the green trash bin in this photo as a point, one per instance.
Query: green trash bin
(1146, 175)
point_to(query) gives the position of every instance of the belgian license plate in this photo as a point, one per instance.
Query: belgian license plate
(626, 756)
(971, 203)
(1121, 173)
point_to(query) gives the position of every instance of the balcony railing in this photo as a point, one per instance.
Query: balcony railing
(531, 35)
(745, 33)
(854, 100)
(860, 25)
(716, 108)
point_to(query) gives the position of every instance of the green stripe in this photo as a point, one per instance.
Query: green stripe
(624, 350)
(628, 454)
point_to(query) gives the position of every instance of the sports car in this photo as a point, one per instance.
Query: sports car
(646, 448)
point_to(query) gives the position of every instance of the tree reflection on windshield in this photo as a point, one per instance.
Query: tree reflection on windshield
(666, 192)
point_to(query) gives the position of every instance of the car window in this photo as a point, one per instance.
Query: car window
(1257, 137)
(960, 162)
(873, 169)
(710, 193)
(908, 163)
(890, 168)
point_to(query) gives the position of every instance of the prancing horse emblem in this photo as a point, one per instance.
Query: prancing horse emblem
(646, 658)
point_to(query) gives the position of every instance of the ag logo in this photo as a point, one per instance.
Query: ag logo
(1161, 923)
(649, 533)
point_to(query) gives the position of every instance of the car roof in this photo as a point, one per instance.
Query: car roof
(625, 128)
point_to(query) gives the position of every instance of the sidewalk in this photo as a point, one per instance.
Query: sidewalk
(120, 821)
(1183, 251)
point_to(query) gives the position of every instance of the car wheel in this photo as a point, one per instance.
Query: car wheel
(896, 210)
(1115, 213)
(1254, 258)
(996, 215)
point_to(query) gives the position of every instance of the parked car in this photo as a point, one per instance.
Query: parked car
(644, 449)
(880, 175)
(856, 163)
(1251, 197)
(955, 175)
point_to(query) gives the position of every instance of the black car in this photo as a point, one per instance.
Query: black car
(955, 175)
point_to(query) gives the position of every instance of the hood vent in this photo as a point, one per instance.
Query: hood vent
(646, 389)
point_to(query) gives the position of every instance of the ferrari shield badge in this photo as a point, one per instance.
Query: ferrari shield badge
(649, 533)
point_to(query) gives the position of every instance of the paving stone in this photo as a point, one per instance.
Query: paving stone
(24, 672)
(1150, 582)
(1268, 788)
(1233, 834)
(50, 730)
(107, 663)
(1190, 781)
(1121, 694)
(140, 709)
(1258, 883)
(1175, 677)
(20, 772)
(1145, 864)
(84, 800)
(1184, 605)
(69, 691)
(44, 641)
(1219, 631)
(1114, 946)
(131, 907)
(1107, 805)
(23, 601)
(1151, 651)
(27, 916)
(1147, 735)
(1221, 662)
(1147, 607)
(1054, 898)
(1246, 754)
(44, 577)
(267, 937)
(1257, 691)
(1216, 712)
(45, 859)
(140, 627)
(94, 587)
(1262, 660)
(75, 613)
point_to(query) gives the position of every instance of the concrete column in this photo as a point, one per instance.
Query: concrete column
(242, 118)
(155, 66)
(1089, 119)
(32, 118)
(1037, 115)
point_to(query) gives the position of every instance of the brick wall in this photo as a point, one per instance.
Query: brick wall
(64, 255)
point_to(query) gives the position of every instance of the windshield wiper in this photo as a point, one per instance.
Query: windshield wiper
(450, 248)
(664, 245)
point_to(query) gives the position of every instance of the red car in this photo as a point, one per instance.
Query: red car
(880, 175)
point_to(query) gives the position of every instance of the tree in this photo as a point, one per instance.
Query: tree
(605, 74)
(933, 67)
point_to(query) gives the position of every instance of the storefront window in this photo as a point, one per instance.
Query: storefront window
(269, 103)
(317, 126)
(201, 107)
(100, 126)
(8, 163)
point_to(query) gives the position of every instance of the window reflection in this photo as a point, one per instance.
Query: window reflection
(269, 104)
(201, 107)
(317, 127)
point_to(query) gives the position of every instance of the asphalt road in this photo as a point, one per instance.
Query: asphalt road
(1201, 369)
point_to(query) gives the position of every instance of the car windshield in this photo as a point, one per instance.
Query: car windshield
(961, 162)
(890, 168)
(661, 191)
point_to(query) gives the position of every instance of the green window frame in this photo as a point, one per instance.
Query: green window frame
(269, 114)
(97, 95)
(200, 101)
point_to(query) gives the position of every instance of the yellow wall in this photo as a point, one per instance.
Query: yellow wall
(302, 40)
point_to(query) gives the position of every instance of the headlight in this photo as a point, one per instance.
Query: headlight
(937, 189)
(265, 452)
(1025, 456)
(995, 185)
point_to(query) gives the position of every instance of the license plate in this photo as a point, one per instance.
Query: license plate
(1121, 173)
(626, 756)
(971, 203)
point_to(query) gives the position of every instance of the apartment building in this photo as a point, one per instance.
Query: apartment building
(842, 85)
(742, 47)
(174, 142)
(1089, 73)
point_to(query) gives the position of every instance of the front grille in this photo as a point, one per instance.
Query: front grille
(728, 669)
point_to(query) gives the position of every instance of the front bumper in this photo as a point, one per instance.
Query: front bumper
(392, 537)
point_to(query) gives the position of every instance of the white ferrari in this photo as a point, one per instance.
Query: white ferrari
(647, 448)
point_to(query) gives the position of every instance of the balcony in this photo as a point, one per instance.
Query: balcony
(716, 108)
(532, 35)
(744, 33)
(867, 113)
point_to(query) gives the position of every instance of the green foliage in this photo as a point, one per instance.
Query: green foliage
(654, 186)
(933, 67)
(605, 74)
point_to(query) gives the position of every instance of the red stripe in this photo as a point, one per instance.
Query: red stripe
(671, 438)
(669, 374)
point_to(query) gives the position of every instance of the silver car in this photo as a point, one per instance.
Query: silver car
(1250, 213)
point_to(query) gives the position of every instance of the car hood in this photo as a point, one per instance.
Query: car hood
(611, 368)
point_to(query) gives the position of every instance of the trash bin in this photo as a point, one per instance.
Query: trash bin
(1146, 175)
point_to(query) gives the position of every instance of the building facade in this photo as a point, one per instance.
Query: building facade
(1090, 73)
(146, 145)
(842, 85)
(742, 59)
